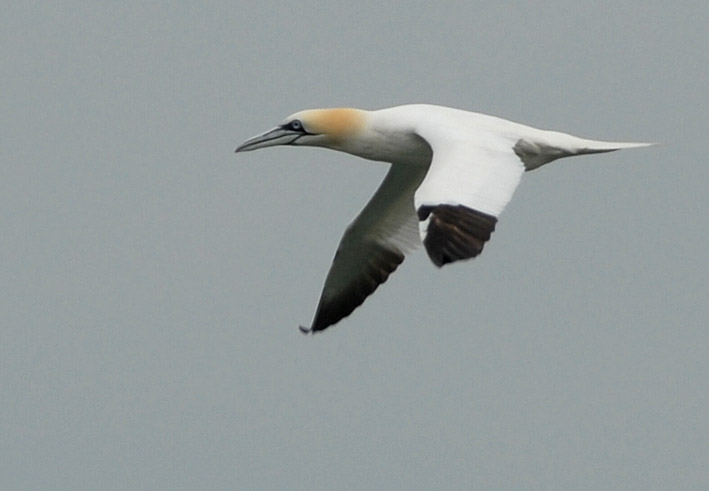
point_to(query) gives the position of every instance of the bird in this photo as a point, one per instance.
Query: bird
(451, 174)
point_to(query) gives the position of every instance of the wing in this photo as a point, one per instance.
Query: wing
(469, 183)
(372, 247)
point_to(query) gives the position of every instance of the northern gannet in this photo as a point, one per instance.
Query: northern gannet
(452, 174)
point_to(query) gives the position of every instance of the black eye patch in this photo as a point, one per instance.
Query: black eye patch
(294, 125)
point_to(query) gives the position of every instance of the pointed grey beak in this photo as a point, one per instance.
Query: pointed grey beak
(276, 136)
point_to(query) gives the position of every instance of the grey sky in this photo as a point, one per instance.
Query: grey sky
(153, 280)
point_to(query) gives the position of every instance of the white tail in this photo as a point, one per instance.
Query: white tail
(552, 145)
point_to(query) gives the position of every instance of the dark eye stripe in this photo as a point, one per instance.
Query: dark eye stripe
(296, 125)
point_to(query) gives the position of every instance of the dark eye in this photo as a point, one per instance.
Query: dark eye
(295, 125)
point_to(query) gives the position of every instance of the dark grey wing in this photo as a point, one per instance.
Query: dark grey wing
(372, 247)
(455, 232)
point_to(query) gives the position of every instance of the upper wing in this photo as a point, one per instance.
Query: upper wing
(372, 247)
(471, 179)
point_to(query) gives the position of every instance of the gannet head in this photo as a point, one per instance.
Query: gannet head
(331, 128)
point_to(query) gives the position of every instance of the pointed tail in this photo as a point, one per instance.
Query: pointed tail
(597, 146)
(553, 145)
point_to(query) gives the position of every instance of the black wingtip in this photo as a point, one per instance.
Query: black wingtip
(455, 232)
(305, 330)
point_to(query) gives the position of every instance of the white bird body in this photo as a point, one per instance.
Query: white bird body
(452, 174)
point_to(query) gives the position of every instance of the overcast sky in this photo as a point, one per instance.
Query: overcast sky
(153, 281)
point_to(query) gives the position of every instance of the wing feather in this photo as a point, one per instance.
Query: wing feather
(372, 247)
(470, 181)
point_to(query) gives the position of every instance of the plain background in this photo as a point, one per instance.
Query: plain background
(152, 280)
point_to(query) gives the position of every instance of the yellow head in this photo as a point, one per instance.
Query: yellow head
(313, 127)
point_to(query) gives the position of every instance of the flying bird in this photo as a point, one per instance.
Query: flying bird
(452, 173)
